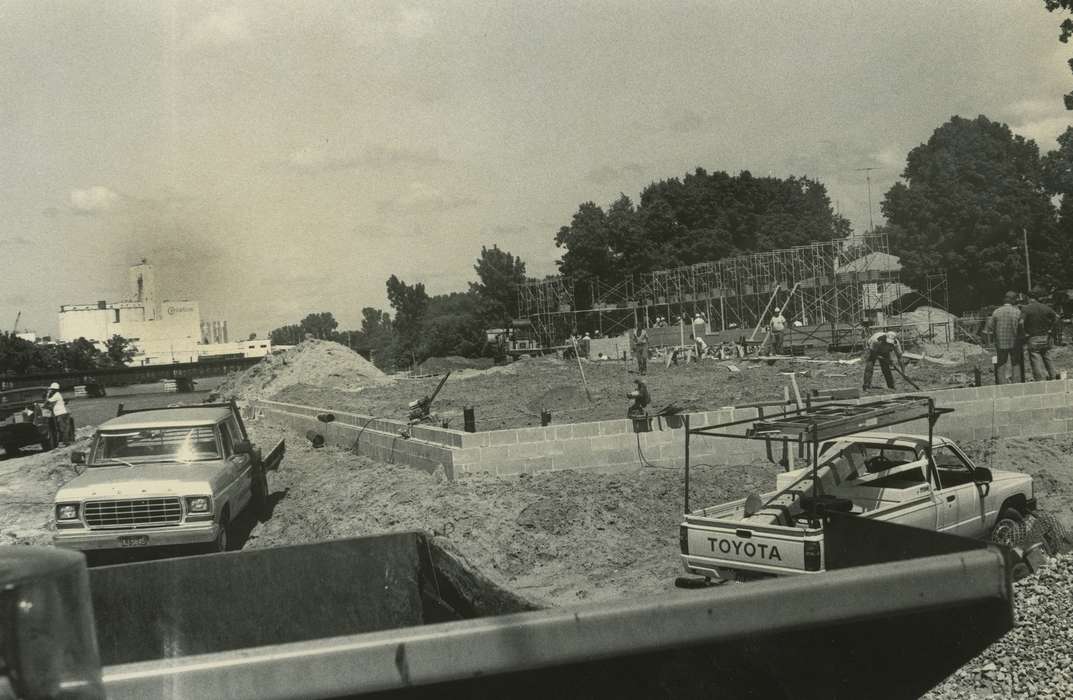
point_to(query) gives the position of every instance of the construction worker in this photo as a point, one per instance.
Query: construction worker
(1004, 326)
(699, 325)
(641, 399)
(1038, 322)
(639, 345)
(778, 328)
(61, 426)
(879, 347)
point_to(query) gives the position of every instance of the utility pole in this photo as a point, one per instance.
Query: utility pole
(1028, 267)
(868, 179)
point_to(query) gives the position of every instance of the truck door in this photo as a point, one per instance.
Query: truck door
(239, 467)
(960, 505)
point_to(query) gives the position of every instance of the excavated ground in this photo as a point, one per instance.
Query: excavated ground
(567, 536)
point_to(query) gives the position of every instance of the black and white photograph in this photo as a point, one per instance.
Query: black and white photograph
(529, 350)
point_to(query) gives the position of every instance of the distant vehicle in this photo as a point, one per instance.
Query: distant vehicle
(918, 480)
(165, 477)
(25, 419)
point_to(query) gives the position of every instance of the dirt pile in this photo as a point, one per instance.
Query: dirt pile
(321, 363)
(555, 537)
(28, 483)
(452, 363)
(922, 320)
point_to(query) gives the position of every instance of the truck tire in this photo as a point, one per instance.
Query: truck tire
(262, 509)
(223, 537)
(1049, 530)
(1009, 529)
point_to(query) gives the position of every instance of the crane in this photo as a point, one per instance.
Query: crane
(868, 178)
(17, 317)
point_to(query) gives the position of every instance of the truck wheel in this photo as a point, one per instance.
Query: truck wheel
(1009, 529)
(10, 449)
(220, 544)
(1049, 530)
(261, 507)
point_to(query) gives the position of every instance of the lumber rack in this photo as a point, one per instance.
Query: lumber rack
(808, 427)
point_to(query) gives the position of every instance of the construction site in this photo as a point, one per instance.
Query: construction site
(558, 499)
(832, 291)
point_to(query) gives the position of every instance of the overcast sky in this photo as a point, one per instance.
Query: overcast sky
(274, 159)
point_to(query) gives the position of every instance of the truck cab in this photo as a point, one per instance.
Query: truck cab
(164, 477)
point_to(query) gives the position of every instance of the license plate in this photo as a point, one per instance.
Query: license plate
(133, 540)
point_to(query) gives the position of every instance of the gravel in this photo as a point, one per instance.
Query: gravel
(1033, 660)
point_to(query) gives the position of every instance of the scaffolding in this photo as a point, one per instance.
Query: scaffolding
(842, 285)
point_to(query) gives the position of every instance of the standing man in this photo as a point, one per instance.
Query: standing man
(778, 328)
(879, 347)
(1038, 321)
(64, 430)
(1004, 327)
(639, 343)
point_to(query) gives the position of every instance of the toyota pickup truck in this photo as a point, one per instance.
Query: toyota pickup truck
(924, 481)
(165, 477)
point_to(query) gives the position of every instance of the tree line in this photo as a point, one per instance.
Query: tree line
(968, 199)
(20, 356)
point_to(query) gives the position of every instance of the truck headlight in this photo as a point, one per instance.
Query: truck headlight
(67, 511)
(198, 504)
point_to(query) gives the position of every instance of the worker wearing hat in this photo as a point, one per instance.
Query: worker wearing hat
(879, 347)
(63, 426)
(778, 330)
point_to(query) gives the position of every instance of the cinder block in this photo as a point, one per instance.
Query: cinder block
(985, 392)
(532, 434)
(564, 432)
(475, 440)
(510, 468)
(1031, 402)
(494, 455)
(586, 429)
(1035, 388)
(502, 437)
(610, 442)
(615, 427)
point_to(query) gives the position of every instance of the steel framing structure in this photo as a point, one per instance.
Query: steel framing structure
(838, 283)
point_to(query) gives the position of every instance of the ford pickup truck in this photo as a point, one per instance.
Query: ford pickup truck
(164, 477)
(924, 481)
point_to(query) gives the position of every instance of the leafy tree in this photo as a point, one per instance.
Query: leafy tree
(453, 326)
(119, 351)
(20, 356)
(377, 335)
(701, 217)
(499, 273)
(410, 304)
(253, 336)
(1065, 31)
(320, 325)
(79, 354)
(968, 194)
(287, 335)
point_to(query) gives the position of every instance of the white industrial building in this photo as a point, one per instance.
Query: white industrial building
(162, 331)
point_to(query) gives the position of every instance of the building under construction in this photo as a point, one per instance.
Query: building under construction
(832, 288)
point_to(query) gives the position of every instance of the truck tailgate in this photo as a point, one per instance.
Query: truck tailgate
(771, 549)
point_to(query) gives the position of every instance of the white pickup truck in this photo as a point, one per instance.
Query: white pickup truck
(878, 475)
(163, 477)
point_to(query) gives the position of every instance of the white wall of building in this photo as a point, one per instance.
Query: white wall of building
(248, 348)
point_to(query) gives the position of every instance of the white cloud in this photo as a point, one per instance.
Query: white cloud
(892, 157)
(1044, 131)
(93, 200)
(220, 28)
(420, 197)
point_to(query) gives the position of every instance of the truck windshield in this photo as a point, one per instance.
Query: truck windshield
(184, 445)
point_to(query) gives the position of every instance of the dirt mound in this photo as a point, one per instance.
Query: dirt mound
(28, 482)
(559, 398)
(922, 319)
(313, 362)
(958, 350)
(452, 363)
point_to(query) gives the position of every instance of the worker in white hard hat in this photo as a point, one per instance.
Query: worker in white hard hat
(879, 347)
(778, 330)
(62, 426)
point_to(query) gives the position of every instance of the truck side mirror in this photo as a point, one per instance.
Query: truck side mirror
(981, 475)
(78, 457)
(243, 447)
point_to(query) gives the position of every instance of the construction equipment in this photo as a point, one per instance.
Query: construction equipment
(421, 409)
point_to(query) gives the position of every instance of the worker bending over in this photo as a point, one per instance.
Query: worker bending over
(879, 347)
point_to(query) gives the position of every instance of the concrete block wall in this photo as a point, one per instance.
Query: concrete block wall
(1011, 410)
(377, 438)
